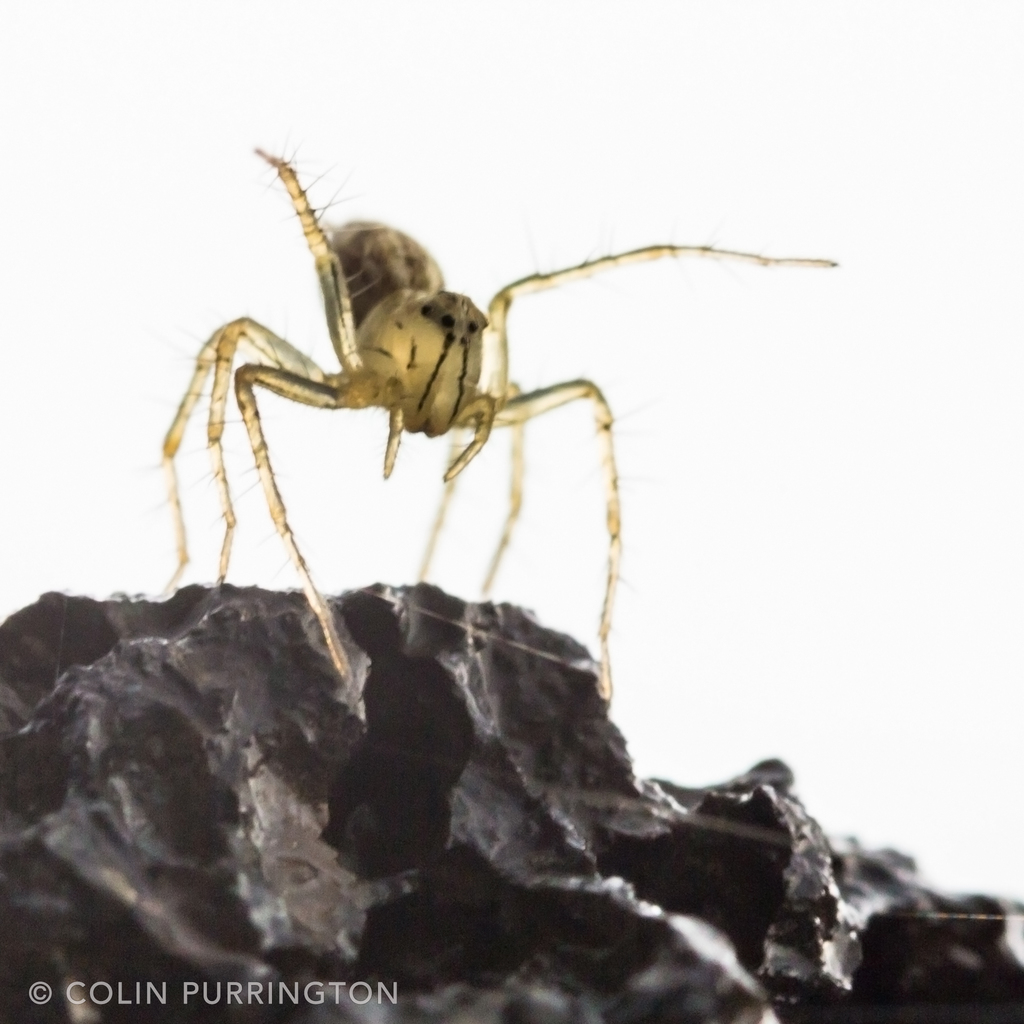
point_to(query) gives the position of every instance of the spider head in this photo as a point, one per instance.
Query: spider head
(450, 363)
(432, 343)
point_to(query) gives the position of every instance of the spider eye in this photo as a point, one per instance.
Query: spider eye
(448, 320)
(427, 310)
(472, 327)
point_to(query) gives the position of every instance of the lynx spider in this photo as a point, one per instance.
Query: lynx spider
(428, 356)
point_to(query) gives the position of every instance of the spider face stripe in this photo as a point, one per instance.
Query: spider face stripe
(462, 378)
(401, 341)
(448, 339)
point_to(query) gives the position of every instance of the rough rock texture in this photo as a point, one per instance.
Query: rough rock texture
(187, 798)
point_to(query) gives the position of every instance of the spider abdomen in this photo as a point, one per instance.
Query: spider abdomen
(378, 261)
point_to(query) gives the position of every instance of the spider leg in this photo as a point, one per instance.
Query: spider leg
(172, 442)
(227, 343)
(480, 412)
(494, 375)
(521, 408)
(309, 392)
(217, 354)
(515, 496)
(396, 424)
(457, 439)
(337, 301)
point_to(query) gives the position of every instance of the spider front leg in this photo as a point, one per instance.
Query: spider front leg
(172, 442)
(337, 301)
(495, 339)
(309, 392)
(218, 353)
(515, 502)
(494, 377)
(457, 441)
(521, 408)
(479, 413)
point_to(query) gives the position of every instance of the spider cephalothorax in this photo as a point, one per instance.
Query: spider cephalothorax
(431, 342)
(408, 327)
(428, 356)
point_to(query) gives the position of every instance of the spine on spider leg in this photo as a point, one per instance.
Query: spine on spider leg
(315, 237)
(337, 302)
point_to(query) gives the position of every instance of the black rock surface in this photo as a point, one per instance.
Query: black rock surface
(188, 797)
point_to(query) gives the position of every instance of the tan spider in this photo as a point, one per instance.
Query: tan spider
(428, 356)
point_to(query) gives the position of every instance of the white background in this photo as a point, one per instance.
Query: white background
(822, 470)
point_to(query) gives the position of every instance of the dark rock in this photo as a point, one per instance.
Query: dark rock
(186, 797)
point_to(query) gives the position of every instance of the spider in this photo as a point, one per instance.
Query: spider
(428, 356)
